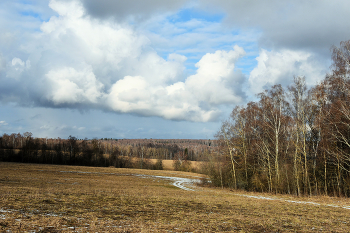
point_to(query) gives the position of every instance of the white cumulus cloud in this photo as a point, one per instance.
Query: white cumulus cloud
(71, 86)
(195, 99)
(215, 76)
(280, 67)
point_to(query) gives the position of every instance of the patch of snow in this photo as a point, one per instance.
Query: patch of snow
(291, 201)
(177, 181)
(5, 211)
(180, 182)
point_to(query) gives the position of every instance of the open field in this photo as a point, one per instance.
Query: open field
(50, 198)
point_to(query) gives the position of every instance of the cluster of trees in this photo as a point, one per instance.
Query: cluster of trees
(291, 141)
(135, 153)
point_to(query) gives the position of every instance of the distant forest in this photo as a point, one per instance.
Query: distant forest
(101, 152)
(293, 141)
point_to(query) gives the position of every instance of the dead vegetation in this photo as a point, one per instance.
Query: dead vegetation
(50, 198)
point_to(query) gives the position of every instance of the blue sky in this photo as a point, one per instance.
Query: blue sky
(153, 69)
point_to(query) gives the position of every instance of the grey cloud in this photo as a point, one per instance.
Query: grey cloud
(137, 9)
(293, 24)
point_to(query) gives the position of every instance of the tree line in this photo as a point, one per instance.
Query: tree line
(122, 153)
(294, 140)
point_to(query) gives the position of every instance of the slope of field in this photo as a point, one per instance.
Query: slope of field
(49, 198)
(168, 164)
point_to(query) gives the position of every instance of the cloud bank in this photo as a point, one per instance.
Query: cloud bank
(78, 61)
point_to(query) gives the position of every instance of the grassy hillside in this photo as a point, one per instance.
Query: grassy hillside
(52, 198)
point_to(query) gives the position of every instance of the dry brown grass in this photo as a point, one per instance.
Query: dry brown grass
(49, 198)
(168, 164)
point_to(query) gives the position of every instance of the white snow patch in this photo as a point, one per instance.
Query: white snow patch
(180, 182)
(291, 201)
(177, 181)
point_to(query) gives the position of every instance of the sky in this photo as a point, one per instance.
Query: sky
(154, 69)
